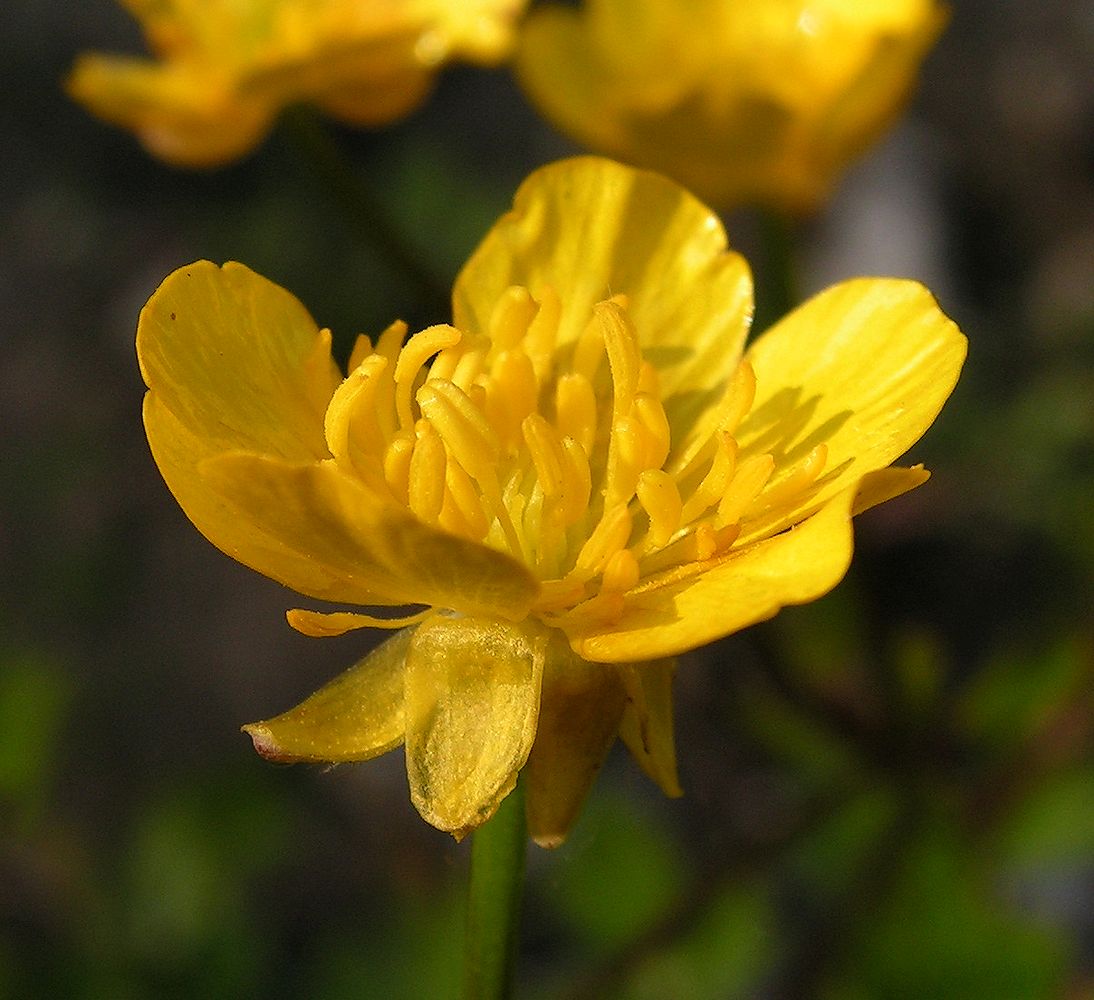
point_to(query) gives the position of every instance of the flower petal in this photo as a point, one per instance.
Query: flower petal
(207, 326)
(174, 448)
(371, 550)
(647, 727)
(580, 711)
(590, 228)
(472, 701)
(357, 716)
(682, 610)
(184, 117)
(864, 368)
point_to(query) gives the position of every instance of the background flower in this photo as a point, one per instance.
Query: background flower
(762, 102)
(225, 69)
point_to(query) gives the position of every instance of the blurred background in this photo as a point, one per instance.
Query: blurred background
(889, 793)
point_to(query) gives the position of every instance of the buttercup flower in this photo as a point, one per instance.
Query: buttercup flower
(758, 102)
(581, 477)
(225, 68)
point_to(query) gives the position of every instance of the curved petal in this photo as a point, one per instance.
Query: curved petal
(681, 611)
(185, 118)
(590, 228)
(472, 701)
(580, 711)
(864, 368)
(238, 361)
(250, 540)
(647, 727)
(376, 551)
(357, 716)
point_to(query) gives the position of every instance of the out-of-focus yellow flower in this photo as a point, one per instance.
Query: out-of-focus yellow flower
(581, 477)
(764, 101)
(225, 68)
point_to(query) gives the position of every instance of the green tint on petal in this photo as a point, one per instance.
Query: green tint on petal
(864, 367)
(238, 361)
(647, 727)
(316, 512)
(472, 701)
(684, 610)
(580, 711)
(357, 716)
(591, 228)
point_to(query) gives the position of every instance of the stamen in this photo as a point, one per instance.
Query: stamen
(715, 482)
(417, 351)
(655, 425)
(575, 409)
(546, 450)
(466, 432)
(577, 483)
(350, 425)
(749, 479)
(588, 350)
(624, 357)
(738, 399)
(620, 573)
(735, 403)
(539, 343)
(797, 479)
(659, 496)
(397, 458)
(511, 317)
(609, 536)
(511, 394)
(427, 473)
(466, 499)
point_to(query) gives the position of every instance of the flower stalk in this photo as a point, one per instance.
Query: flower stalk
(494, 898)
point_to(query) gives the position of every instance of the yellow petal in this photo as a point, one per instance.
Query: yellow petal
(580, 711)
(185, 118)
(589, 229)
(376, 551)
(357, 716)
(682, 610)
(766, 102)
(175, 447)
(472, 701)
(239, 361)
(864, 368)
(647, 727)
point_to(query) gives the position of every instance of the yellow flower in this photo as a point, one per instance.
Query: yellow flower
(581, 477)
(226, 67)
(744, 102)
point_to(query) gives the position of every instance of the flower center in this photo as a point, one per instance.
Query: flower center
(558, 454)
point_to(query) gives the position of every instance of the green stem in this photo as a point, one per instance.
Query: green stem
(493, 906)
(778, 282)
(359, 208)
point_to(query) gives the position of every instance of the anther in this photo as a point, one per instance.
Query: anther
(426, 486)
(417, 351)
(659, 496)
(749, 479)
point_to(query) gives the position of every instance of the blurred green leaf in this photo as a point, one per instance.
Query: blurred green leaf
(944, 930)
(1012, 697)
(1055, 823)
(616, 874)
(34, 700)
(722, 956)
